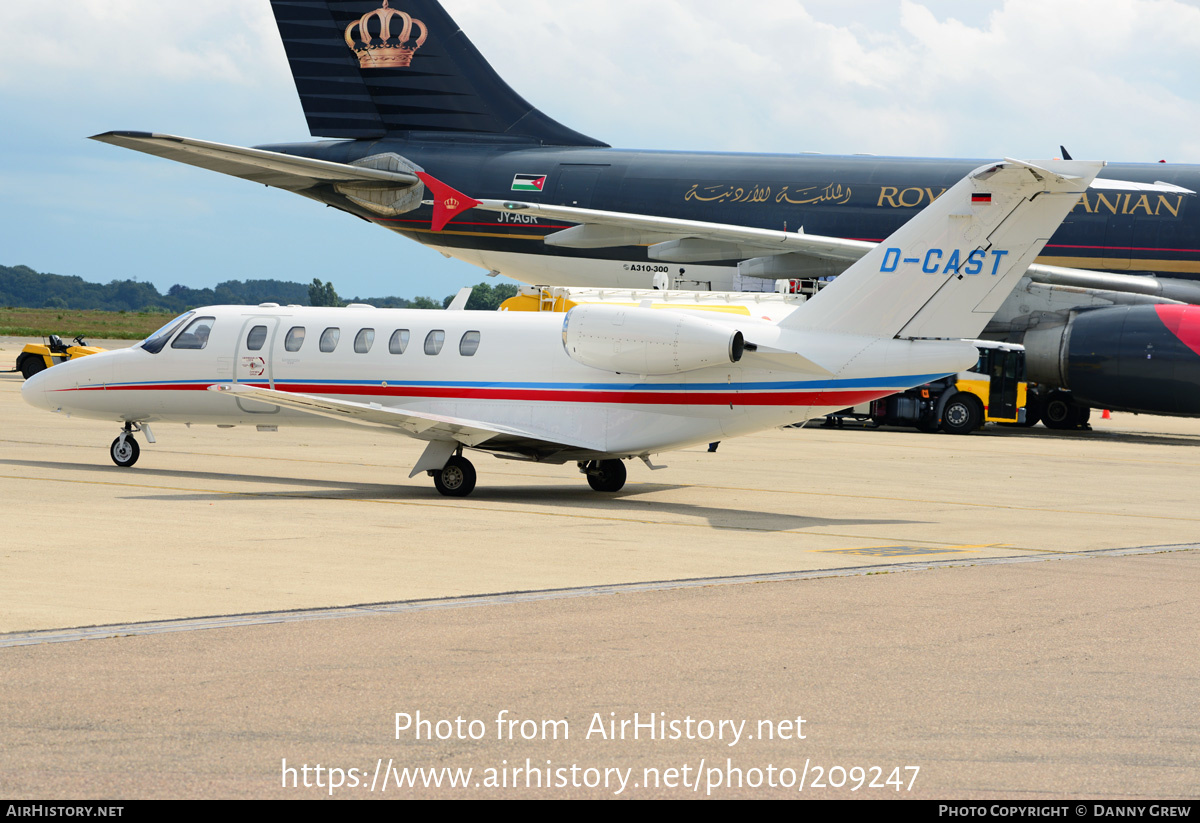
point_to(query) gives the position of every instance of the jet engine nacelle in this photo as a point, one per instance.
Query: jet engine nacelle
(1132, 358)
(646, 341)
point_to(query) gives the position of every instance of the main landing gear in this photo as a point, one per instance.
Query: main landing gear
(125, 451)
(605, 475)
(457, 477)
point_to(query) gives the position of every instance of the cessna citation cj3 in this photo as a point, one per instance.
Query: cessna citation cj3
(400, 89)
(606, 383)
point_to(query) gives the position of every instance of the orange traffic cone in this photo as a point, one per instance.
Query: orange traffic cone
(1107, 415)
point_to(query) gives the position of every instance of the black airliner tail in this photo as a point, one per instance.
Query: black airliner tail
(396, 68)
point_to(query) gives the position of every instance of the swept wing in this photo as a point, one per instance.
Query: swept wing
(678, 239)
(420, 425)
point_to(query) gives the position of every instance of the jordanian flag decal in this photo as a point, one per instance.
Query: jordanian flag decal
(529, 182)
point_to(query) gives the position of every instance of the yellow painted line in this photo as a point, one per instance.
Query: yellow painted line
(977, 505)
(512, 510)
(522, 512)
(338, 497)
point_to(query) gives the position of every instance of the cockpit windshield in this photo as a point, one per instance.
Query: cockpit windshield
(155, 342)
(195, 336)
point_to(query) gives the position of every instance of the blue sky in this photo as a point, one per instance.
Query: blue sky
(1112, 79)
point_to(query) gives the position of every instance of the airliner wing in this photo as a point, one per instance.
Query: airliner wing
(421, 425)
(604, 229)
(601, 229)
(282, 171)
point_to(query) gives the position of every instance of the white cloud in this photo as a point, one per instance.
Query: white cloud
(134, 43)
(908, 77)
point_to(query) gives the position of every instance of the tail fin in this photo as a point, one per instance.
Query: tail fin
(946, 272)
(374, 68)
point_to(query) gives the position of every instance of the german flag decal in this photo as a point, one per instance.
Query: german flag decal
(981, 199)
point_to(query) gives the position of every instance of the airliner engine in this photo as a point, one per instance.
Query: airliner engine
(1129, 358)
(645, 341)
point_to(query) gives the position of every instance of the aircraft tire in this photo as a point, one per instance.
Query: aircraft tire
(32, 365)
(456, 479)
(961, 415)
(609, 476)
(1061, 413)
(124, 451)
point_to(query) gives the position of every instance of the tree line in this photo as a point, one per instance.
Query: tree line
(22, 287)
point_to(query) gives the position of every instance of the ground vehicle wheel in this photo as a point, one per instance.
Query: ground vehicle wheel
(607, 476)
(456, 479)
(1062, 413)
(124, 451)
(961, 414)
(32, 365)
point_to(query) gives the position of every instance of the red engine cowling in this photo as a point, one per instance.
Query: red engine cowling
(648, 341)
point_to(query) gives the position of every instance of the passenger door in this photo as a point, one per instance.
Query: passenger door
(253, 362)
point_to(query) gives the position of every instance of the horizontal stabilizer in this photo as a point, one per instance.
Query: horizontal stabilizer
(283, 171)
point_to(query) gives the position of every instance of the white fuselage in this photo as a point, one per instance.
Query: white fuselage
(519, 376)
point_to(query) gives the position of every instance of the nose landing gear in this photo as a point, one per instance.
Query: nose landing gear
(125, 451)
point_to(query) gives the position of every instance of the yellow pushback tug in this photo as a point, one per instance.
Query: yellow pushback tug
(994, 391)
(37, 357)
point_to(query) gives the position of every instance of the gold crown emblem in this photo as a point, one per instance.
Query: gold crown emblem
(451, 204)
(389, 42)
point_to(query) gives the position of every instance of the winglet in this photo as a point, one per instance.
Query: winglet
(1061, 175)
(448, 203)
(460, 300)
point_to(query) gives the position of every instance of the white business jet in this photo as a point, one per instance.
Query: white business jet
(602, 384)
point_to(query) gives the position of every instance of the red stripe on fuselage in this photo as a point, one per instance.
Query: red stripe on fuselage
(840, 399)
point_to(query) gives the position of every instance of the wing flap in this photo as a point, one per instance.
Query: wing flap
(421, 425)
(619, 226)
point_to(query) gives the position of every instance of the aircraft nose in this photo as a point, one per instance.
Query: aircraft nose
(33, 391)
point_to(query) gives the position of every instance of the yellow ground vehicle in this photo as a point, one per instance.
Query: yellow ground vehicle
(36, 357)
(994, 391)
(564, 298)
